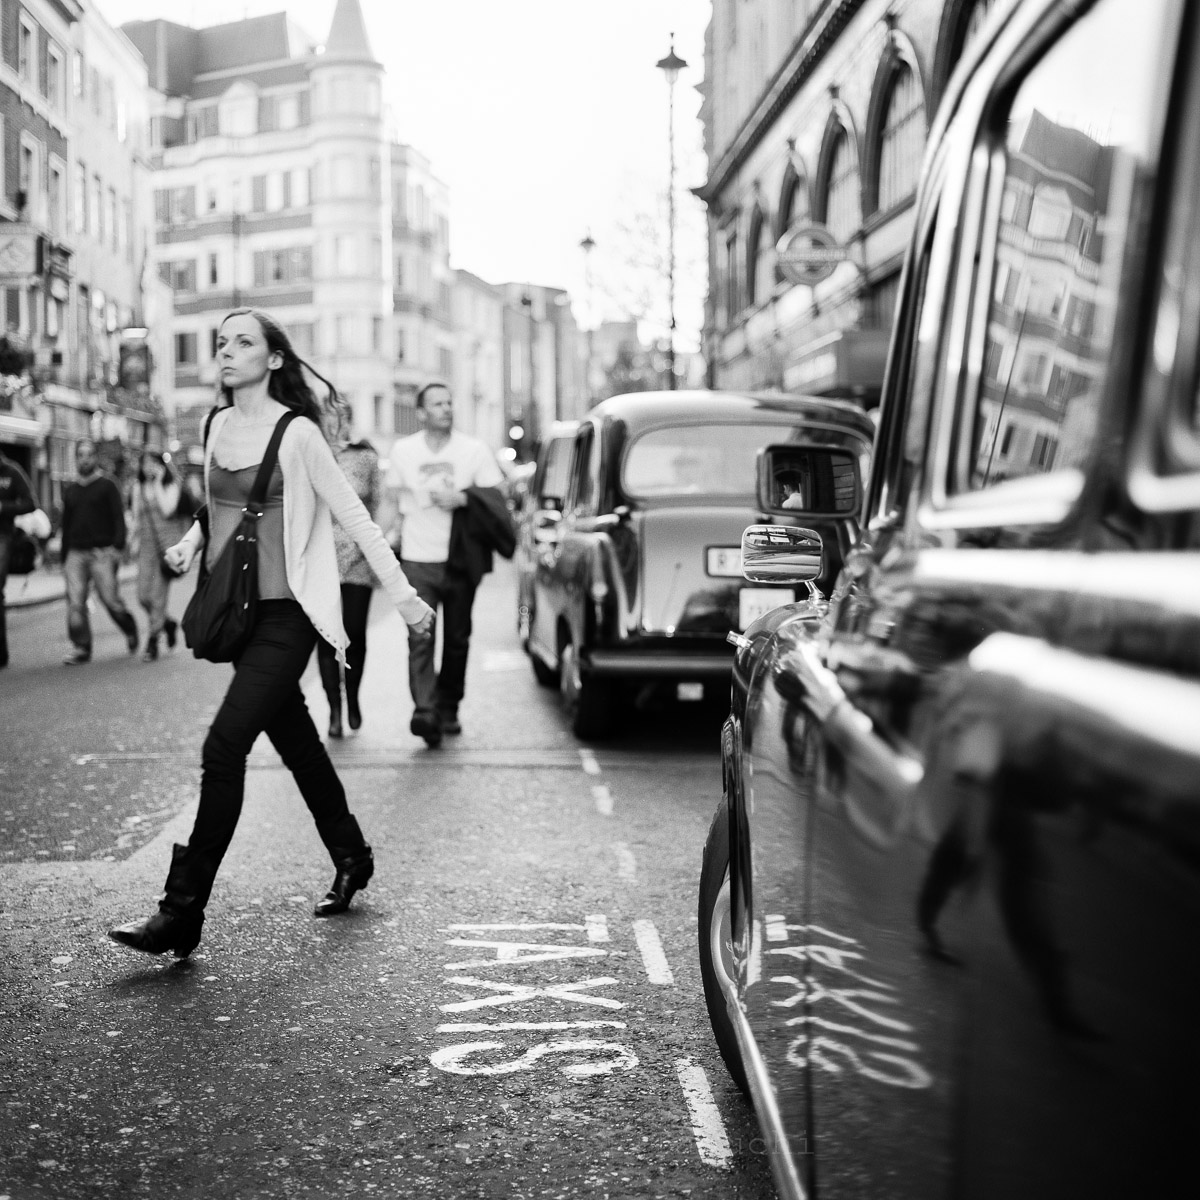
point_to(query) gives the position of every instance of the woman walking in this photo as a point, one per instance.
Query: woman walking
(360, 464)
(262, 378)
(161, 514)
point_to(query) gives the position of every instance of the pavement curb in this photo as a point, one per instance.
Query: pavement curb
(50, 587)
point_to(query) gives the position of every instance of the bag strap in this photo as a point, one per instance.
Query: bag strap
(258, 492)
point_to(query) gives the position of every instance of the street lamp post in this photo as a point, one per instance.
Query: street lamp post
(587, 245)
(670, 67)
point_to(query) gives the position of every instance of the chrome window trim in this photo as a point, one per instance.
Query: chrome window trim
(1165, 435)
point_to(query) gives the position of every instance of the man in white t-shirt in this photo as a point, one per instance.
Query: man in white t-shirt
(429, 473)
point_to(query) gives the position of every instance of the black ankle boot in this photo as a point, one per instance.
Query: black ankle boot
(171, 629)
(150, 654)
(180, 917)
(335, 722)
(352, 875)
(353, 859)
(353, 712)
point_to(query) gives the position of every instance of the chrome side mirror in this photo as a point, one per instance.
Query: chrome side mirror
(780, 554)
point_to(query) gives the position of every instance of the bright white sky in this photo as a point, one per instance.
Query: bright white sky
(547, 119)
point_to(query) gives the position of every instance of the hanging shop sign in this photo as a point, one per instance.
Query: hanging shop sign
(809, 254)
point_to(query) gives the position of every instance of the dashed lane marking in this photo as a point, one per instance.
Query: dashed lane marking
(707, 1127)
(626, 863)
(588, 761)
(658, 970)
(603, 799)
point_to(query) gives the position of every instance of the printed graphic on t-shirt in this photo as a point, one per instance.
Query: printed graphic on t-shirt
(432, 477)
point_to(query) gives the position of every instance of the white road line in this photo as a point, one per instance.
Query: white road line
(604, 800)
(478, 1027)
(626, 863)
(655, 961)
(597, 927)
(588, 760)
(707, 1126)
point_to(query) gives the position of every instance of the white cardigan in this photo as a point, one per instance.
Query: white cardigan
(315, 491)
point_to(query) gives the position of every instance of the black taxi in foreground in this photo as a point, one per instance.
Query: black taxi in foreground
(634, 579)
(949, 905)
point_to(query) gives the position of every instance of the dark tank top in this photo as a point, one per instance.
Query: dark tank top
(230, 490)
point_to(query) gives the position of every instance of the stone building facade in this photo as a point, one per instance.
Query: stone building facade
(75, 229)
(815, 115)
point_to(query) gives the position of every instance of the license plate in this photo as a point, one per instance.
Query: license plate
(757, 602)
(725, 561)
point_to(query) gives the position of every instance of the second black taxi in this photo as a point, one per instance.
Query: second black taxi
(633, 576)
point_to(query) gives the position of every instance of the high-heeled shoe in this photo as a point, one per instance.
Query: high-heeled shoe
(353, 713)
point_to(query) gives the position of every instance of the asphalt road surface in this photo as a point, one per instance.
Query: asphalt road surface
(511, 1009)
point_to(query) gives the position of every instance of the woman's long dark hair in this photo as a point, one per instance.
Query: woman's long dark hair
(168, 476)
(287, 383)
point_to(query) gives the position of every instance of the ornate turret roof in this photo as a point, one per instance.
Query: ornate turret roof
(348, 41)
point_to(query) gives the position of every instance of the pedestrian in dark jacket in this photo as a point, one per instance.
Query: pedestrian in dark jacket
(93, 537)
(16, 497)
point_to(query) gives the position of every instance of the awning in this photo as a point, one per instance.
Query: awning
(19, 431)
(847, 363)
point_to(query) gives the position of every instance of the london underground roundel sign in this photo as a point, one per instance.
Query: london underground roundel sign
(808, 254)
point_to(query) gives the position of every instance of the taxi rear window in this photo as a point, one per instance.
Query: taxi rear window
(699, 460)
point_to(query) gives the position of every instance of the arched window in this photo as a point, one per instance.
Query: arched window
(901, 139)
(758, 260)
(794, 209)
(842, 209)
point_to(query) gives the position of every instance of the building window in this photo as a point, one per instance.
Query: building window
(29, 175)
(301, 187)
(794, 208)
(110, 218)
(213, 271)
(291, 264)
(78, 73)
(842, 214)
(54, 78)
(1050, 214)
(901, 140)
(758, 261)
(179, 276)
(400, 345)
(96, 208)
(79, 199)
(186, 349)
(58, 198)
(27, 51)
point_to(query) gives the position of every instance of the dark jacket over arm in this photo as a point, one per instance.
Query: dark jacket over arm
(16, 494)
(481, 526)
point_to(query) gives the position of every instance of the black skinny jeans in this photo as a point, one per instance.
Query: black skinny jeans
(356, 605)
(265, 697)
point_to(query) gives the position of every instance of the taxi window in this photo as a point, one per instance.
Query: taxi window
(1080, 149)
(693, 460)
(557, 475)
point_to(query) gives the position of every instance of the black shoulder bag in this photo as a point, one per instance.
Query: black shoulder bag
(218, 619)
